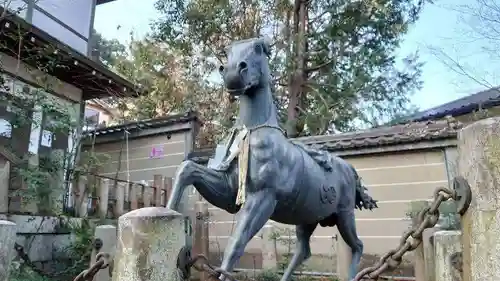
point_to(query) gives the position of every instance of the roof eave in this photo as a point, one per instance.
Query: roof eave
(93, 77)
(458, 111)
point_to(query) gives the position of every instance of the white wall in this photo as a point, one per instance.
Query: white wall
(74, 13)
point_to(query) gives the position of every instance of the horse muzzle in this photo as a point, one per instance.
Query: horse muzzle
(237, 82)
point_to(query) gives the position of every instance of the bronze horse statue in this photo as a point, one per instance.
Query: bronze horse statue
(263, 175)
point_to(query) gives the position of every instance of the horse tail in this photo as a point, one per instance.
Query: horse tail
(363, 199)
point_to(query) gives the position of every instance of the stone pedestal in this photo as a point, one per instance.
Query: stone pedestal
(479, 164)
(446, 244)
(149, 240)
(8, 239)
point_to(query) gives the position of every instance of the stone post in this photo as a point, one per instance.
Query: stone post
(446, 243)
(4, 190)
(201, 236)
(344, 255)
(107, 235)
(428, 247)
(8, 238)
(149, 241)
(269, 259)
(479, 164)
(419, 268)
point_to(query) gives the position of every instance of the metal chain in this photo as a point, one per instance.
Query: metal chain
(411, 239)
(200, 263)
(103, 261)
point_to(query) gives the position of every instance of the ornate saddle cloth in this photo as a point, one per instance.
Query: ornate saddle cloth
(236, 145)
(225, 153)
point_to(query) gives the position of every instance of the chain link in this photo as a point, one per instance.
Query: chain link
(200, 263)
(103, 261)
(411, 239)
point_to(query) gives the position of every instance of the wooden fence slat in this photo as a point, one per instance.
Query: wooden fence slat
(134, 194)
(4, 188)
(120, 199)
(82, 189)
(103, 197)
(157, 185)
(146, 198)
(167, 185)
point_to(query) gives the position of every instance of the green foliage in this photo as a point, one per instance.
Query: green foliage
(109, 50)
(19, 272)
(172, 88)
(268, 275)
(80, 249)
(77, 253)
(449, 220)
(344, 75)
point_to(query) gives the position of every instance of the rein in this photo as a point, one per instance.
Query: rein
(254, 128)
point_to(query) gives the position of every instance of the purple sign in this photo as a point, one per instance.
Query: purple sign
(156, 152)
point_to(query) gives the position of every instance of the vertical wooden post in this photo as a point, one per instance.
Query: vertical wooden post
(104, 197)
(157, 185)
(201, 242)
(8, 238)
(446, 243)
(479, 164)
(107, 235)
(120, 199)
(81, 195)
(134, 192)
(168, 188)
(152, 256)
(146, 190)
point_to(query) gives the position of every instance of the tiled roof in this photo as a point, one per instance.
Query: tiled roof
(398, 134)
(146, 124)
(485, 99)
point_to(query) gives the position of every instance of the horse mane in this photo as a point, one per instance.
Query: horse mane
(322, 157)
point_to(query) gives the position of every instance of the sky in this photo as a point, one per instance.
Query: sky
(441, 32)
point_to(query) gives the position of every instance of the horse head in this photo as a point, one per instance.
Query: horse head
(247, 66)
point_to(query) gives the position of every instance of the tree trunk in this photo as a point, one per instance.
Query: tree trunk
(298, 76)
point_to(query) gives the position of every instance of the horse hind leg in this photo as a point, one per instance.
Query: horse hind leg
(211, 184)
(303, 249)
(346, 225)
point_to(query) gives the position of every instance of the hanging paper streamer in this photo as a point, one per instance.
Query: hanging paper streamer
(156, 152)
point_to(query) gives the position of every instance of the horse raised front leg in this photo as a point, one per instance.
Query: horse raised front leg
(302, 250)
(346, 225)
(256, 211)
(212, 185)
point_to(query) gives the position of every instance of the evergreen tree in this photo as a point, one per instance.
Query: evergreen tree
(334, 61)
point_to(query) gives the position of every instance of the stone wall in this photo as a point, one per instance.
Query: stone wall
(44, 239)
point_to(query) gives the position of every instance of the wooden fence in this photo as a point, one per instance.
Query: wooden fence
(94, 195)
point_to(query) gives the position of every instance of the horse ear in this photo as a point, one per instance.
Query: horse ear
(266, 43)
